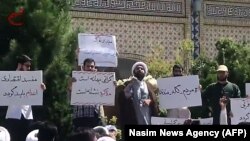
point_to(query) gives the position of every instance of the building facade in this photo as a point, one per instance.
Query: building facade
(140, 25)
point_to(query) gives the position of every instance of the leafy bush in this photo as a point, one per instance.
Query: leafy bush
(236, 56)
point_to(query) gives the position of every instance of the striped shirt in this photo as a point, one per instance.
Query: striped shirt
(85, 111)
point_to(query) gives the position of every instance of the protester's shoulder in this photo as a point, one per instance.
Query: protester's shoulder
(121, 87)
(127, 82)
(211, 85)
(234, 84)
(209, 88)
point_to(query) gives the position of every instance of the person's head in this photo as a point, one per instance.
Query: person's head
(106, 139)
(112, 131)
(23, 63)
(32, 136)
(85, 134)
(139, 70)
(177, 70)
(4, 134)
(88, 65)
(222, 73)
(47, 132)
(244, 123)
(101, 131)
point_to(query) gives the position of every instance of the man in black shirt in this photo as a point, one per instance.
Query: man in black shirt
(215, 91)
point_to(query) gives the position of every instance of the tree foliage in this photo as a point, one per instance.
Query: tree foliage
(157, 65)
(235, 55)
(184, 55)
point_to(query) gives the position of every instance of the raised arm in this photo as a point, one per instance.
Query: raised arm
(223, 112)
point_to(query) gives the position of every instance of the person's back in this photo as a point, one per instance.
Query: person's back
(47, 132)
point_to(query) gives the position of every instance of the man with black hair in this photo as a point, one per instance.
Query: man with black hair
(47, 132)
(177, 70)
(20, 117)
(85, 134)
(215, 91)
(87, 115)
(183, 112)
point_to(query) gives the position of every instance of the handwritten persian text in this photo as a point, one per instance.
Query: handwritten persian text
(179, 90)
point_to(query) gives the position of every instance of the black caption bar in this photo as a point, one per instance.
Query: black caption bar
(215, 132)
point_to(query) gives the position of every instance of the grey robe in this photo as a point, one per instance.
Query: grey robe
(139, 92)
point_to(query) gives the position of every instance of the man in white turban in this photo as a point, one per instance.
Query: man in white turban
(143, 98)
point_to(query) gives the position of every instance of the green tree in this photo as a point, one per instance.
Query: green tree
(46, 36)
(232, 54)
(236, 56)
(206, 69)
(157, 65)
(184, 55)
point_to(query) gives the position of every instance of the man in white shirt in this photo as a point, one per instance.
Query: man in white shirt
(19, 118)
(183, 112)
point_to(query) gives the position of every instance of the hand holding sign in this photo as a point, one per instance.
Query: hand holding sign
(21, 88)
(93, 88)
(43, 86)
(223, 102)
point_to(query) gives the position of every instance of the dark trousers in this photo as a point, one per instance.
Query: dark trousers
(18, 128)
(89, 122)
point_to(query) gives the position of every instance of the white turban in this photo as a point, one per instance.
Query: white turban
(4, 134)
(140, 64)
(101, 130)
(32, 136)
